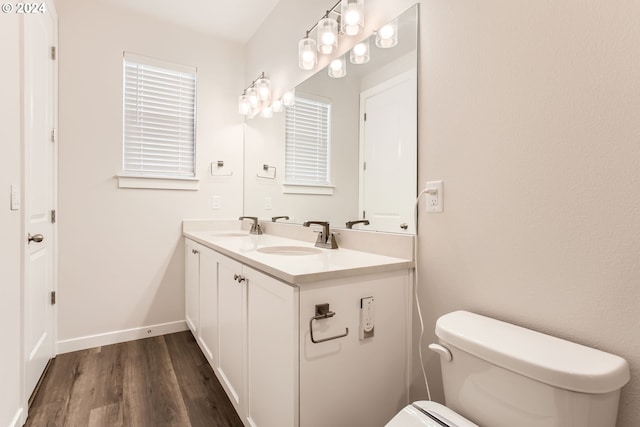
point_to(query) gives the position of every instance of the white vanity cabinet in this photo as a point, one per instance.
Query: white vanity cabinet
(256, 332)
(192, 252)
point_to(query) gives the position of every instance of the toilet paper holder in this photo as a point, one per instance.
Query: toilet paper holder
(323, 312)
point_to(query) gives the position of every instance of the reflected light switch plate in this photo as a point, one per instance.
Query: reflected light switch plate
(15, 197)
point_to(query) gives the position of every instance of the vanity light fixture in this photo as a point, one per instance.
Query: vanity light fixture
(243, 104)
(267, 112)
(360, 53)
(289, 97)
(345, 17)
(387, 35)
(338, 68)
(307, 56)
(327, 35)
(352, 13)
(255, 96)
(277, 106)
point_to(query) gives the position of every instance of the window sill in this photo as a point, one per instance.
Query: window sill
(323, 190)
(157, 182)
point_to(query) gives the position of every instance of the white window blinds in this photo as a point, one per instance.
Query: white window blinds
(308, 126)
(159, 114)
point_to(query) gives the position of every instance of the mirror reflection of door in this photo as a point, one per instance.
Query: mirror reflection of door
(388, 152)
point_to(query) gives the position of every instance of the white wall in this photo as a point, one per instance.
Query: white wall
(529, 113)
(121, 251)
(10, 221)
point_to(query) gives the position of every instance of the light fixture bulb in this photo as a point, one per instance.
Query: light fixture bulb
(360, 53)
(288, 99)
(338, 68)
(266, 113)
(307, 56)
(327, 35)
(243, 104)
(263, 86)
(252, 96)
(276, 106)
(387, 35)
(352, 12)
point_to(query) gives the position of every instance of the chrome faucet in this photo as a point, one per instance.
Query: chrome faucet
(350, 224)
(255, 227)
(326, 239)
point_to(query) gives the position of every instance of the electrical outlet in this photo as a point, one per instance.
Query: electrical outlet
(216, 202)
(435, 196)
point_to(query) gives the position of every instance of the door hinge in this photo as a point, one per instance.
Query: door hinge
(53, 216)
(53, 297)
(365, 117)
(364, 214)
(54, 135)
(364, 166)
(53, 53)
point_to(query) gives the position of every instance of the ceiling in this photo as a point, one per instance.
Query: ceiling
(235, 20)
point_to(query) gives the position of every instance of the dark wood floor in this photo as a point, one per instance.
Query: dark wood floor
(155, 382)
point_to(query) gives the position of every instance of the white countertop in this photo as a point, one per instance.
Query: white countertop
(296, 269)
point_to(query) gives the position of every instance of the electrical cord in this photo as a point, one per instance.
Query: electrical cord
(415, 288)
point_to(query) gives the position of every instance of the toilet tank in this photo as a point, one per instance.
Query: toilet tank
(502, 375)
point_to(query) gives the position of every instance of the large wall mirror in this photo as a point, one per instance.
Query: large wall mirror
(369, 117)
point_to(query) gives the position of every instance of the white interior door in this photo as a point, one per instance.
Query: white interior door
(39, 187)
(388, 149)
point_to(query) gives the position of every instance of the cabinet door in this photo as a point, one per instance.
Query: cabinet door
(208, 334)
(272, 358)
(231, 331)
(192, 285)
(353, 381)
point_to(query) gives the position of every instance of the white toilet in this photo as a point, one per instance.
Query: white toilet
(500, 375)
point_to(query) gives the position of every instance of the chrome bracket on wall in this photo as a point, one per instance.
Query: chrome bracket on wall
(323, 312)
(219, 164)
(266, 168)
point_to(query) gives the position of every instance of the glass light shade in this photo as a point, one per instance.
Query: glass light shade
(263, 86)
(387, 35)
(276, 106)
(352, 12)
(243, 104)
(252, 96)
(360, 53)
(307, 55)
(288, 99)
(327, 35)
(338, 68)
(266, 113)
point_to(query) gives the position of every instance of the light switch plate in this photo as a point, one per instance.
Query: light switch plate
(216, 202)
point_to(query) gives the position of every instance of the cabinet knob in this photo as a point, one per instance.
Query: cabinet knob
(238, 278)
(195, 252)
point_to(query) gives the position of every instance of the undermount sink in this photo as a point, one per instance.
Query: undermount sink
(289, 250)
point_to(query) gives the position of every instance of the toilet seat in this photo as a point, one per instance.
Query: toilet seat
(424, 413)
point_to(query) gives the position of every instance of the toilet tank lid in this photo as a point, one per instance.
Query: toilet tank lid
(542, 357)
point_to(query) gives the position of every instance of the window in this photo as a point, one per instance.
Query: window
(307, 137)
(159, 112)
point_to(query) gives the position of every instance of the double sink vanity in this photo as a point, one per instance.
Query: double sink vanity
(300, 335)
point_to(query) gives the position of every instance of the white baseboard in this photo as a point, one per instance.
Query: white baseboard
(17, 419)
(115, 337)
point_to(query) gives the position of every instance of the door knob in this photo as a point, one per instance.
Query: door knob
(35, 238)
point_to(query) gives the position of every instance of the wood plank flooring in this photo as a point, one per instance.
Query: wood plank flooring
(157, 382)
